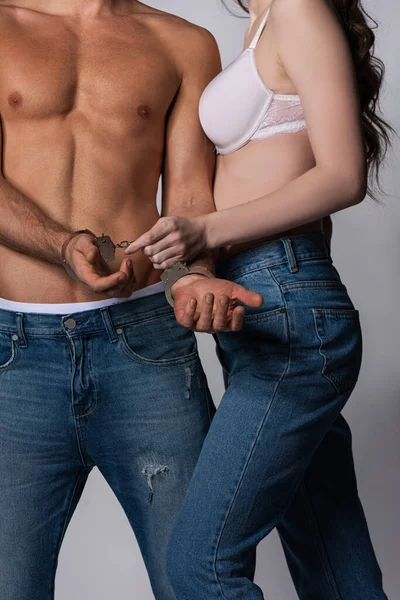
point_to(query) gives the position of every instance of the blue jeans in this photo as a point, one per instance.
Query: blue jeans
(119, 388)
(278, 453)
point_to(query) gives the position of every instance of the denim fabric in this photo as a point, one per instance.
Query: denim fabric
(121, 388)
(278, 453)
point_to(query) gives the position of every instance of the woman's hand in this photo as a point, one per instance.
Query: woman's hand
(209, 304)
(172, 239)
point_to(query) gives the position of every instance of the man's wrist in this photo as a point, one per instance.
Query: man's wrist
(67, 244)
(186, 280)
(181, 272)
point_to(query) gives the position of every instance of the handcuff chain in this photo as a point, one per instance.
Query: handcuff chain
(123, 244)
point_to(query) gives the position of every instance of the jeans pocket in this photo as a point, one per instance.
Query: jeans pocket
(160, 342)
(8, 351)
(262, 346)
(340, 345)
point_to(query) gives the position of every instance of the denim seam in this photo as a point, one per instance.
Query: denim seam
(244, 471)
(319, 542)
(130, 319)
(79, 477)
(349, 313)
(13, 359)
(219, 356)
(251, 454)
(312, 284)
(260, 267)
(78, 438)
(76, 424)
(262, 316)
(94, 405)
(165, 363)
(89, 332)
(33, 331)
(153, 317)
(208, 400)
(267, 265)
(81, 442)
(324, 372)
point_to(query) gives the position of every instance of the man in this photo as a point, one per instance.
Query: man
(98, 97)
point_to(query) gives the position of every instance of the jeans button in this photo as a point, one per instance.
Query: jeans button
(70, 324)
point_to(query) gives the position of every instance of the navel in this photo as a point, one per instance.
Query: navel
(144, 112)
(15, 100)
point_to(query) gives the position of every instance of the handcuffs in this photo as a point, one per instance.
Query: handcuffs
(176, 272)
(107, 251)
(104, 243)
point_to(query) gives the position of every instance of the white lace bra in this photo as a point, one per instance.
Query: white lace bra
(237, 107)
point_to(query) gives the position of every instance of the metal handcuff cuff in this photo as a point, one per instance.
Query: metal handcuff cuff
(104, 243)
(107, 251)
(176, 272)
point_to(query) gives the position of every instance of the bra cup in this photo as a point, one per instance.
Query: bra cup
(233, 105)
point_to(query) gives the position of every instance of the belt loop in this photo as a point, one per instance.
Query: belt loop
(20, 330)
(109, 325)
(287, 243)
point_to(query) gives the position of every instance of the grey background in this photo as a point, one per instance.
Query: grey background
(100, 558)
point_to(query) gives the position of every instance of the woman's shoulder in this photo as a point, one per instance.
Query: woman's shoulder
(288, 9)
(305, 14)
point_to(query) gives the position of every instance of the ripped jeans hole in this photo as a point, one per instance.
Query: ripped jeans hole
(188, 382)
(151, 471)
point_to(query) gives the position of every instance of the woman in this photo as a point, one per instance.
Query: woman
(279, 452)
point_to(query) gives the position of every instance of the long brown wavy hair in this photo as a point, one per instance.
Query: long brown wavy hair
(359, 29)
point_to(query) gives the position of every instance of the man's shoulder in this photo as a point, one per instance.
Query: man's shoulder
(182, 33)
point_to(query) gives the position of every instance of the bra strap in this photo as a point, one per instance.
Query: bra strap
(260, 30)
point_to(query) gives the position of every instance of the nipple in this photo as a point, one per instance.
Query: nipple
(144, 112)
(15, 100)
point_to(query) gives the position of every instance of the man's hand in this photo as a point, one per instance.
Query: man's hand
(83, 256)
(209, 305)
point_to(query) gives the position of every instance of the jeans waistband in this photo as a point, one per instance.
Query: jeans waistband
(85, 323)
(286, 250)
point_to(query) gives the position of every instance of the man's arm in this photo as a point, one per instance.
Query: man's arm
(189, 160)
(200, 303)
(25, 228)
(189, 163)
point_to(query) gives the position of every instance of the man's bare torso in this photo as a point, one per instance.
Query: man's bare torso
(84, 101)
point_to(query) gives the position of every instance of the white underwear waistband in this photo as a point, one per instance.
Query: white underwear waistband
(74, 307)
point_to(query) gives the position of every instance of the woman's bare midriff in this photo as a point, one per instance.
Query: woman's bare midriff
(260, 168)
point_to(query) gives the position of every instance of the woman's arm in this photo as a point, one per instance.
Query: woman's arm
(314, 52)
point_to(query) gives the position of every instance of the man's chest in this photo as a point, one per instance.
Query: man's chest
(103, 72)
